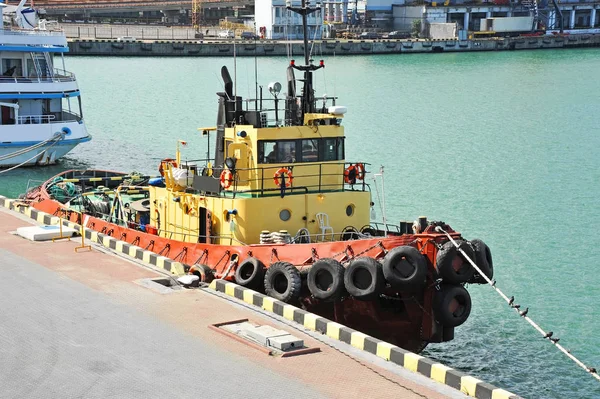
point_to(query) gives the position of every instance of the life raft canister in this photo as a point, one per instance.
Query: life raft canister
(226, 178)
(283, 173)
(163, 163)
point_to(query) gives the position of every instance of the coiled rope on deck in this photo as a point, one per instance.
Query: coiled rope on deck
(522, 313)
(58, 136)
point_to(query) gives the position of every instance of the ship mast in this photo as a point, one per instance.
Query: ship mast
(308, 97)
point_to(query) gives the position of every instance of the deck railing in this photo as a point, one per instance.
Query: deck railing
(61, 117)
(308, 178)
(58, 76)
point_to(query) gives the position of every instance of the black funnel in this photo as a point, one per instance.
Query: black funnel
(228, 81)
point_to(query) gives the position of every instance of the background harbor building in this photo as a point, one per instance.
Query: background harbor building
(380, 15)
(280, 23)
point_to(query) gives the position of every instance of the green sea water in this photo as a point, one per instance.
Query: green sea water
(503, 146)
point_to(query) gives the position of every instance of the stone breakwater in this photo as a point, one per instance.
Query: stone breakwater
(206, 48)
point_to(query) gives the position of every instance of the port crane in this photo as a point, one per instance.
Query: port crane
(196, 14)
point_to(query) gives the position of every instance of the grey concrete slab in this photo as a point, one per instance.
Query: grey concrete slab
(61, 339)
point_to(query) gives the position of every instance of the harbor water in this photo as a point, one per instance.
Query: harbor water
(502, 146)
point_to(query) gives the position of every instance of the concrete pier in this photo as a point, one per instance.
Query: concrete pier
(222, 48)
(78, 325)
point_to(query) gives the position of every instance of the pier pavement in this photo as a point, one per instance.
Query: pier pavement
(78, 325)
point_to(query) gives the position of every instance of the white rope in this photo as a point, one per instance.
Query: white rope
(24, 150)
(522, 313)
(57, 138)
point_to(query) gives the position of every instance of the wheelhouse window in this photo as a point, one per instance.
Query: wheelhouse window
(310, 150)
(333, 149)
(304, 150)
(279, 151)
(12, 67)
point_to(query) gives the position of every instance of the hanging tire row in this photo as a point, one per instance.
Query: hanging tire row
(403, 269)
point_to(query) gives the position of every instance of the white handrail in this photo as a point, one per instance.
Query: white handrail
(59, 76)
(34, 119)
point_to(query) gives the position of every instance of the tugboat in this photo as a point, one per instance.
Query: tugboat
(279, 209)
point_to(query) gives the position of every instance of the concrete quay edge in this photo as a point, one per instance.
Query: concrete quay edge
(436, 371)
(416, 363)
(161, 262)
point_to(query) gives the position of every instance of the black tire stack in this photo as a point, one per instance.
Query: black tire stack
(404, 268)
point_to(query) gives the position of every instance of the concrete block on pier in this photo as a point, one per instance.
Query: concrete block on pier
(44, 233)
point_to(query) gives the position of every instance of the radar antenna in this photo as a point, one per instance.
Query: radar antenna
(308, 97)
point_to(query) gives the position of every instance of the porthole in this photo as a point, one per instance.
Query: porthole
(285, 215)
(350, 210)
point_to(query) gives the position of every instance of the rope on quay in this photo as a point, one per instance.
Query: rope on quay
(522, 313)
(56, 138)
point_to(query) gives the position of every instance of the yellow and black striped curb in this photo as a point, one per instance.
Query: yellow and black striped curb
(411, 361)
(105, 240)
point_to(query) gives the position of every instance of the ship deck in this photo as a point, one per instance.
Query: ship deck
(78, 324)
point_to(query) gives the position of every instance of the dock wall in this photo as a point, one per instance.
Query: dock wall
(179, 48)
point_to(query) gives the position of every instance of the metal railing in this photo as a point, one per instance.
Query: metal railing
(57, 76)
(345, 235)
(64, 116)
(34, 119)
(258, 178)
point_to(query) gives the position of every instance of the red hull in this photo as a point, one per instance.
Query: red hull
(400, 318)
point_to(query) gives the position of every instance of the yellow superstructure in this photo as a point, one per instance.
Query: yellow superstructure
(250, 202)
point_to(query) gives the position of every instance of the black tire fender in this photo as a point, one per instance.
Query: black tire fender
(203, 271)
(282, 282)
(326, 279)
(364, 278)
(250, 273)
(452, 305)
(405, 268)
(483, 260)
(451, 264)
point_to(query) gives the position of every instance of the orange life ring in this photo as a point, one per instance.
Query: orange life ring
(350, 174)
(226, 178)
(360, 171)
(280, 173)
(161, 167)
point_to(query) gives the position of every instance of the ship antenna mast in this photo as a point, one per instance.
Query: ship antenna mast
(308, 98)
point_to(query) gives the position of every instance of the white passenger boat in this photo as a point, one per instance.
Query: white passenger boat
(40, 105)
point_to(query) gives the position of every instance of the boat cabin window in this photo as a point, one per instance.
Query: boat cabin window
(279, 151)
(305, 150)
(333, 149)
(12, 67)
(7, 115)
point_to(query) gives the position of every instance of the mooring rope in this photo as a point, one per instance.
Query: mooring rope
(56, 138)
(27, 149)
(522, 313)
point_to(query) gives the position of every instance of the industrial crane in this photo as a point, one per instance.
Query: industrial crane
(196, 14)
